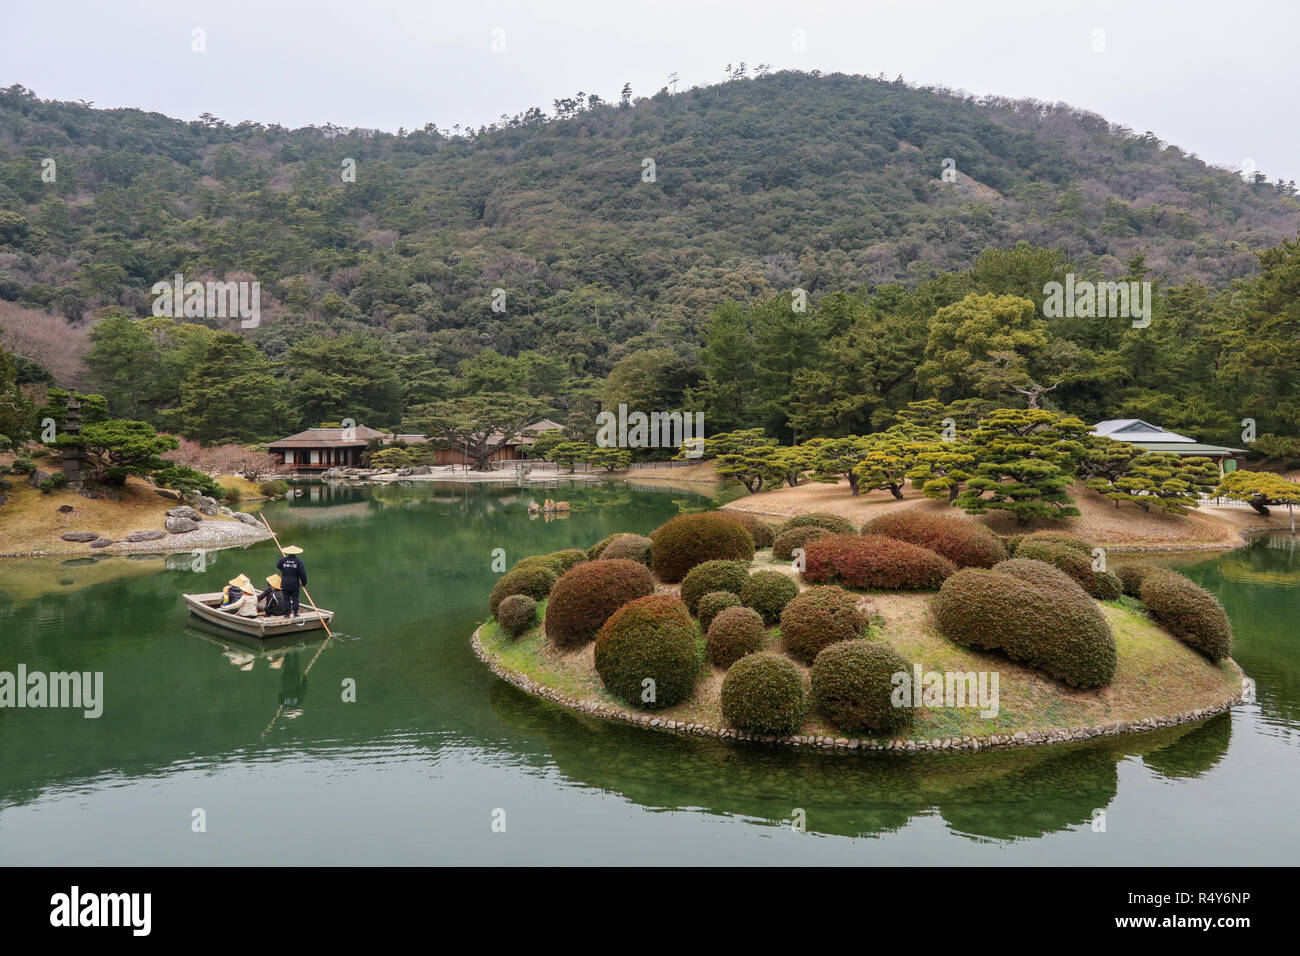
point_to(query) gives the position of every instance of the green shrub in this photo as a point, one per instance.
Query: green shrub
(966, 543)
(651, 638)
(762, 532)
(818, 618)
(832, 523)
(596, 549)
(564, 560)
(785, 543)
(1191, 613)
(1042, 575)
(874, 561)
(712, 604)
(53, 483)
(853, 686)
(516, 614)
(1011, 542)
(587, 595)
(230, 493)
(1107, 586)
(5, 470)
(687, 540)
(768, 592)
(1053, 626)
(186, 479)
(712, 576)
(763, 694)
(1063, 538)
(23, 466)
(1074, 561)
(633, 547)
(534, 580)
(1131, 577)
(276, 488)
(735, 632)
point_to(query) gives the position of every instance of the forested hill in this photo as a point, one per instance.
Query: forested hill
(759, 185)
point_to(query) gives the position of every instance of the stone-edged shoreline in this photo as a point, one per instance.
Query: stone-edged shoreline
(970, 743)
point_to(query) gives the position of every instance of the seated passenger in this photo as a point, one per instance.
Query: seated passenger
(275, 604)
(240, 597)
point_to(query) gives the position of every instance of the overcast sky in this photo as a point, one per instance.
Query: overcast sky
(1216, 78)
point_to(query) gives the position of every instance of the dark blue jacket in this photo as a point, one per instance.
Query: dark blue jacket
(293, 573)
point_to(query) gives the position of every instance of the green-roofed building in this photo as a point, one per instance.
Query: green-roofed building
(1154, 438)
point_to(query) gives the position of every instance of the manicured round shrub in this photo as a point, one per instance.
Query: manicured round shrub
(687, 540)
(539, 561)
(632, 547)
(853, 686)
(586, 596)
(1131, 577)
(516, 614)
(1042, 575)
(735, 632)
(785, 543)
(649, 639)
(768, 592)
(763, 694)
(966, 543)
(712, 576)
(832, 523)
(874, 561)
(818, 618)
(595, 550)
(1050, 625)
(712, 604)
(535, 580)
(1074, 561)
(762, 532)
(1191, 613)
(567, 558)
(1064, 538)
(1107, 586)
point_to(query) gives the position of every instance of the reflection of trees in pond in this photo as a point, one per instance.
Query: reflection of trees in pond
(1196, 752)
(1003, 795)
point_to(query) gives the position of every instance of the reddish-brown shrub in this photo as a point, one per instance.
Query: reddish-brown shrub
(585, 597)
(966, 543)
(874, 561)
(817, 618)
(687, 540)
(762, 532)
(735, 632)
(1191, 613)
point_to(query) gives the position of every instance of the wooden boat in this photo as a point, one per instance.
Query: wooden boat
(204, 606)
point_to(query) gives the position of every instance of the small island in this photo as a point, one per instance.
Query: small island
(914, 632)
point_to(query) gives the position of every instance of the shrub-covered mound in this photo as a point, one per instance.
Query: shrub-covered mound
(1064, 538)
(584, 598)
(1191, 613)
(768, 592)
(1074, 561)
(1131, 577)
(516, 614)
(1042, 575)
(649, 639)
(966, 543)
(631, 547)
(713, 604)
(567, 558)
(817, 618)
(852, 686)
(598, 548)
(832, 523)
(687, 540)
(1046, 624)
(735, 632)
(785, 543)
(763, 694)
(712, 576)
(762, 532)
(874, 561)
(535, 580)
(1107, 586)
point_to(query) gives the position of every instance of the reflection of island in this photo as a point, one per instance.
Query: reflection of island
(1021, 793)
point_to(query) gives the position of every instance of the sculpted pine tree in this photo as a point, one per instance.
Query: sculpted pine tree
(1261, 490)
(1024, 461)
(833, 459)
(478, 425)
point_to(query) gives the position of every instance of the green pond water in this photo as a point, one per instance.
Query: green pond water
(435, 748)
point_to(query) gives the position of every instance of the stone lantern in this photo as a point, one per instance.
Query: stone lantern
(74, 455)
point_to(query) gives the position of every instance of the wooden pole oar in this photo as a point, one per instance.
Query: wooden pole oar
(323, 622)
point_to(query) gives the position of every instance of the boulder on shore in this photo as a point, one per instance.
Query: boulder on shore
(177, 524)
(184, 511)
(81, 536)
(248, 519)
(206, 505)
(101, 542)
(135, 536)
(167, 493)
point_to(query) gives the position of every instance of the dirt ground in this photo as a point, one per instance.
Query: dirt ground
(1123, 527)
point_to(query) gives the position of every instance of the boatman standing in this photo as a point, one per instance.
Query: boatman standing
(293, 575)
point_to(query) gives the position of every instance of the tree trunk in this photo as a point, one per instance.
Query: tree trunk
(1260, 506)
(896, 491)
